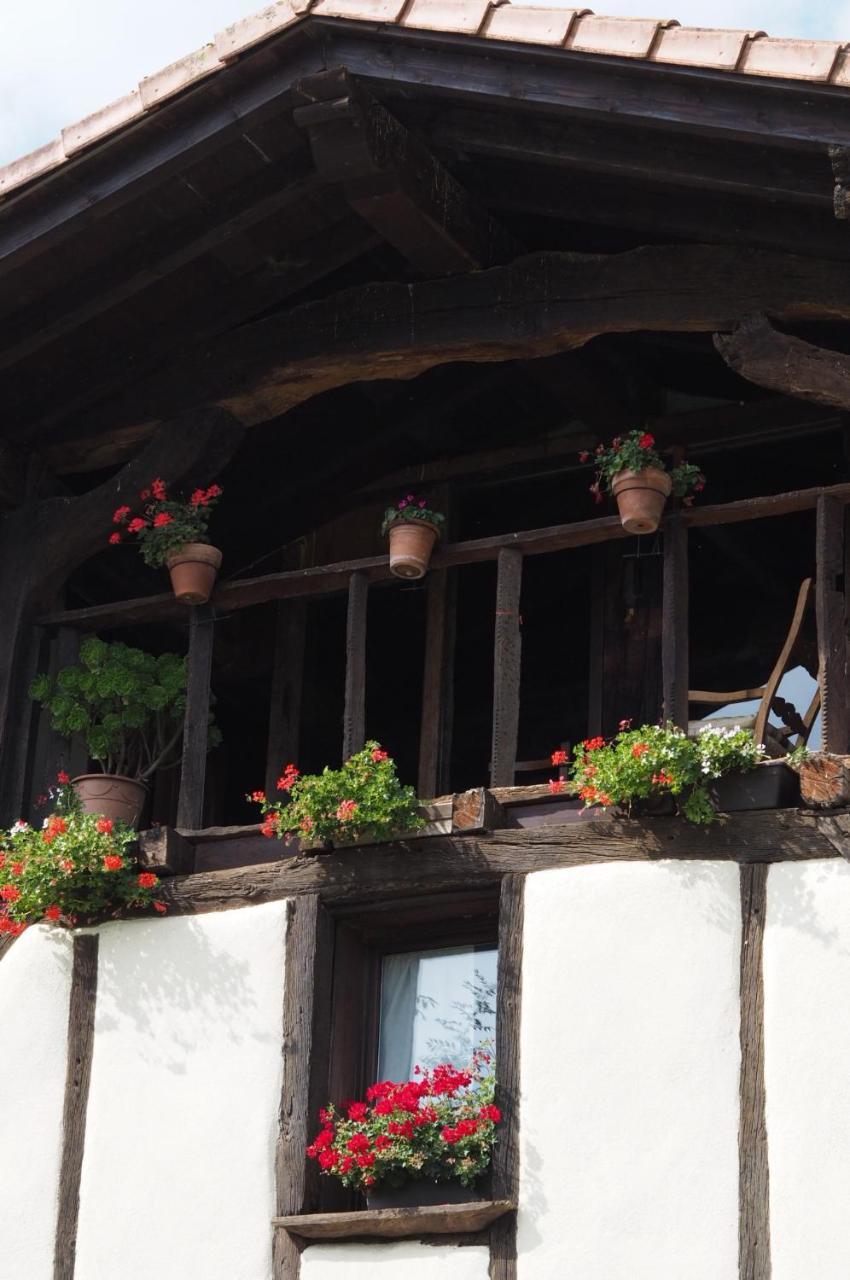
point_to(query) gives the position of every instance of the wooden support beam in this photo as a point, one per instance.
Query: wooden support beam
(190, 807)
(506, 1156)
(761, 354)
(832, 625)
(354, 727)
(287, 688)
(435, 734)
(753, 1169)
(674, 633)
(80, 1050)
(506, 668)
(839, 158)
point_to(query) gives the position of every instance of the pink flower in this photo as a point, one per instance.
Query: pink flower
(120, 515)
(346, 810)
(159, 521)
(114, 539)
(378, 755)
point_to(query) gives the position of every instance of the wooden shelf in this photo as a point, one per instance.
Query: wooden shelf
(397, 1224)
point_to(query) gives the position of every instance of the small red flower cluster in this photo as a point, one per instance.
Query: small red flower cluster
(346, 810)
(184, 521)
(559, 757)
(112, 862)
(203, 497)
(288, 778)
(640, 749)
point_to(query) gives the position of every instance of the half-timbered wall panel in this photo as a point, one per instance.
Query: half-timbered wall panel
(629, 1073)
(411, 1260)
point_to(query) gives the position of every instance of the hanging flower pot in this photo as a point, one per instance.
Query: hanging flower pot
(413, 529)
(641, 496)
(193, 568)
(111, 795)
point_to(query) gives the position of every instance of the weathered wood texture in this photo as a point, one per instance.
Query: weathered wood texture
(80, 1048)
(761, 354)
(286, 690)
(435, 735)
(354, 725)
(825, 781)
(506, 668)
(754, 1190)
(443, 863)
(190, 807)
(306, 1044)
(831, 625)
(506, 1157)
(674, 634)
(166, 852)
(396, 1224)
(476, 810)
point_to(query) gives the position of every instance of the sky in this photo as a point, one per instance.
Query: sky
(62, 59)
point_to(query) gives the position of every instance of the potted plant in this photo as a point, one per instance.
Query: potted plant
(413, 528)
(657, 767)
(75, 869)
(363, 802)
(173, 532)
(421, 1141)
(635, 473)
(128, 706)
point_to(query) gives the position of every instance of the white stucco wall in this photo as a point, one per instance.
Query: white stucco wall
(178, 1170)
(400, 1260)
(807, 1057)
(35, 986)
(630, 1061)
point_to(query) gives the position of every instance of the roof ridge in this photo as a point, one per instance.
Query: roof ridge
(578, 30)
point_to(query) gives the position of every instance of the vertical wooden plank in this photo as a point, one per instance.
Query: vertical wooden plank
(831, 624)
(437, 684)
(52, 752)
(506, 668)
(286, 690)
(503, 1258)
(674, 633)
(596, 664)
(753, 1175)
(80, 1049)
(190, 806)
(354, 730)
(305, 1048)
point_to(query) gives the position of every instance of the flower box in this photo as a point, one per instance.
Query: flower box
(772, 785)
(418, 1192)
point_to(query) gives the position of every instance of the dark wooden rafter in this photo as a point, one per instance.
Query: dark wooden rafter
(759, 352)
(839, 158)
(80, 1051)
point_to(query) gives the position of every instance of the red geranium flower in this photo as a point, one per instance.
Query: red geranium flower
(112, 862)
(9, 893)
(646, 441)
(556, 785)
(559, 757)
(114, 539)
(63, 778)
(136, 525)
(162, 519)
(105, 826)
(160, 907)
(640, 749)
(158, 490)
(147, 880)
(52, 913)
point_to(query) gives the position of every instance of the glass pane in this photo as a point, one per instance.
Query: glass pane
(436, 1006)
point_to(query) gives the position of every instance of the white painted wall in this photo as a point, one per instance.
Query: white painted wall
(807, 1067)
(401, 1260)
(630, 1062)
(35, 986)
(178, 1171)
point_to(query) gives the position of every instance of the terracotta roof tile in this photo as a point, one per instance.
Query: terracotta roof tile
(702, 47)
(243, 35)
(466, 17)
(364, 10)
(529, 25)
(85, 132)
(791, 59)
(620, 37)
(31, 166)
(177, 77)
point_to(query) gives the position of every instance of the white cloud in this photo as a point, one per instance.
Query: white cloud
(61, 59)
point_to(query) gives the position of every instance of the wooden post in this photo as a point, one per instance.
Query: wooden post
(78, 1073)
(674, 633)
(506, 672)
(596, 669)
(354, 728)
(753, 1169)
(286, 690)
(503, 1257)
(435, 734)
(190, 806)
(831, 624)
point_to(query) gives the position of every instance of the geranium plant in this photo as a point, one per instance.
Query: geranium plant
(362, 800)
(162, 524)
(636, 451)
(127, 704)
(74, 869)
(412, 509)
(439, 1127)
(655, 760)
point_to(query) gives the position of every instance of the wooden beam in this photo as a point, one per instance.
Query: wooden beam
(78, 1074)
(839, 158)
(326, 579)
(190, 806)
(674, 633)
(753, 1168)
(831, 625)
(354, 727)
(435, 732)
(287, 688)
(397, 1224)
(506, 668)
(506, 1156)
(759, 352)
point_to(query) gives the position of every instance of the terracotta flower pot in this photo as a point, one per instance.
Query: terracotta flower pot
(411, 544)
(112, 796)
(641, 496)
(193, 569)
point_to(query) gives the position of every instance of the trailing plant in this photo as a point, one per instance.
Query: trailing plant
(163, 525)
(654, 760)
(362, 800)
(439, 1127)
(74, 869)
(798, 755)
(412, 509)
(636, 451)
(127, 704)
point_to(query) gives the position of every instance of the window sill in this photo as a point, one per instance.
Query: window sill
(396, 1224)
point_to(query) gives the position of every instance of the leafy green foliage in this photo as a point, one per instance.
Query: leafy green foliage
(75, 869)
(654, 761)
(164, 525)
(440, 1127)
(410, 510)
(636, 451)
(362, 800)
(127, 704)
